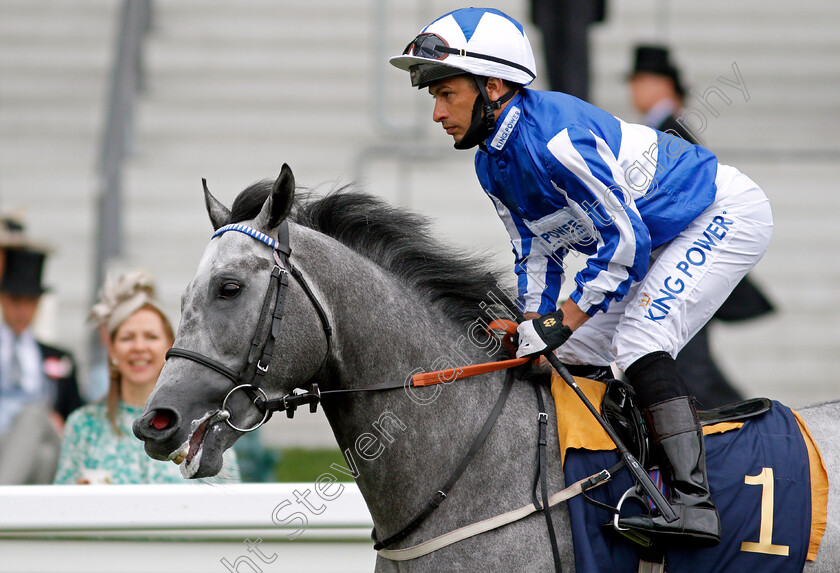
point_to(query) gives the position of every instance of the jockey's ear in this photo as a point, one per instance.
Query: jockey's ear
(219, 214)
(279, 204)
(496, 88)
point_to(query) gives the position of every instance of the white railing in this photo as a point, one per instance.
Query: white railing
(247, 528)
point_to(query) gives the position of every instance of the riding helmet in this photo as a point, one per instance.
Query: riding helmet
(480, 43)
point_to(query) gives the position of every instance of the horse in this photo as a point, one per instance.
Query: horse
(373, 298)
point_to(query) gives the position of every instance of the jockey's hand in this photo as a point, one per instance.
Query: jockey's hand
(542, 335)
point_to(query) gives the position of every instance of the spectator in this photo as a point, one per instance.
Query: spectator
(565, 31)
(38, 387)
(658, 92)
(99, 446)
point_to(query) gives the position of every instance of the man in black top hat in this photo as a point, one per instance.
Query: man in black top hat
(38, 386)
(658, 92)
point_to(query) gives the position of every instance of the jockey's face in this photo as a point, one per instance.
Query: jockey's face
(454, 100)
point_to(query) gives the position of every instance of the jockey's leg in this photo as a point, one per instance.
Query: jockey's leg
(588, 352)
(689, 279)
(678, 448)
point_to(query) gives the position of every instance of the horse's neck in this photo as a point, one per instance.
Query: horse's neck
(384, 331)
(402, 445)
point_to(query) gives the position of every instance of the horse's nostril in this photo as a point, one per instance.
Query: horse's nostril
(157, 425)
(161, 420)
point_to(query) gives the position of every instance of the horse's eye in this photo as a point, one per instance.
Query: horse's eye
(229, 290)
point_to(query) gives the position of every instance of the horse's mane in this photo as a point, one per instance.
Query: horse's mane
(397, 240)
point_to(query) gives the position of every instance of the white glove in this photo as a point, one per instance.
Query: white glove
(542, 335)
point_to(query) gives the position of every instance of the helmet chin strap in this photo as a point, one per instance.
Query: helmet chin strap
(483, 118)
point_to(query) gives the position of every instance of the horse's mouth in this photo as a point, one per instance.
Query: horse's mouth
(188, 456)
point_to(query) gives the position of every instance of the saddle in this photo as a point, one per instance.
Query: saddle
(618, 407)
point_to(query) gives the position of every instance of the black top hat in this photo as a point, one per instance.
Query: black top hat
(656, 60)
(22, 274)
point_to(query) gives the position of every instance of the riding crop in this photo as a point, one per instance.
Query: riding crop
(632, 463)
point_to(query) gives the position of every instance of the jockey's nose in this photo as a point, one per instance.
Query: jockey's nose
(439, 113)
(157, 425)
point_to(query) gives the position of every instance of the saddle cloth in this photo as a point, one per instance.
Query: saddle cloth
(767, 479)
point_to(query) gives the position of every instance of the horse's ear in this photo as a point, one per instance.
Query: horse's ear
(278, 206)
(219, 214)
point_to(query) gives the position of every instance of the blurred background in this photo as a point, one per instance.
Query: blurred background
(111, 113)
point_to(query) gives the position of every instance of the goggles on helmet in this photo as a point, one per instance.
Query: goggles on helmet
(429, 46)
(433, 47)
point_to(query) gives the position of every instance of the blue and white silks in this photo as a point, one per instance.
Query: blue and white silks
(565, 175)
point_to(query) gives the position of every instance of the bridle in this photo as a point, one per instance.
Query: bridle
(261, 349)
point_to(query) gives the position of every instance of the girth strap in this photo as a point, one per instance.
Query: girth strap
(494, 522)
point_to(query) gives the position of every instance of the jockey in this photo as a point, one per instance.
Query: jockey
(666, 230)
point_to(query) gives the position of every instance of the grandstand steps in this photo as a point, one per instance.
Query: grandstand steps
(55, 60)
(234, 90)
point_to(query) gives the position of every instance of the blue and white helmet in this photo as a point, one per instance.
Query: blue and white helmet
(478, 41)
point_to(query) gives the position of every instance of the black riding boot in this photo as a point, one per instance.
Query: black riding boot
(680, 451)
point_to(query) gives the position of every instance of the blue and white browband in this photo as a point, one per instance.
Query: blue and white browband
(261, 237)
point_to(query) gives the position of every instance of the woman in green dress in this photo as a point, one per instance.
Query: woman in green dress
(98, 444)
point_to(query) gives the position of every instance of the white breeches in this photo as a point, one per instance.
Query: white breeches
(689, 279)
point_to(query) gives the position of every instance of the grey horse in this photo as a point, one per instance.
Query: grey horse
(396, 302)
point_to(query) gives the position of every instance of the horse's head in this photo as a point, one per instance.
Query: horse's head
(231, 333)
